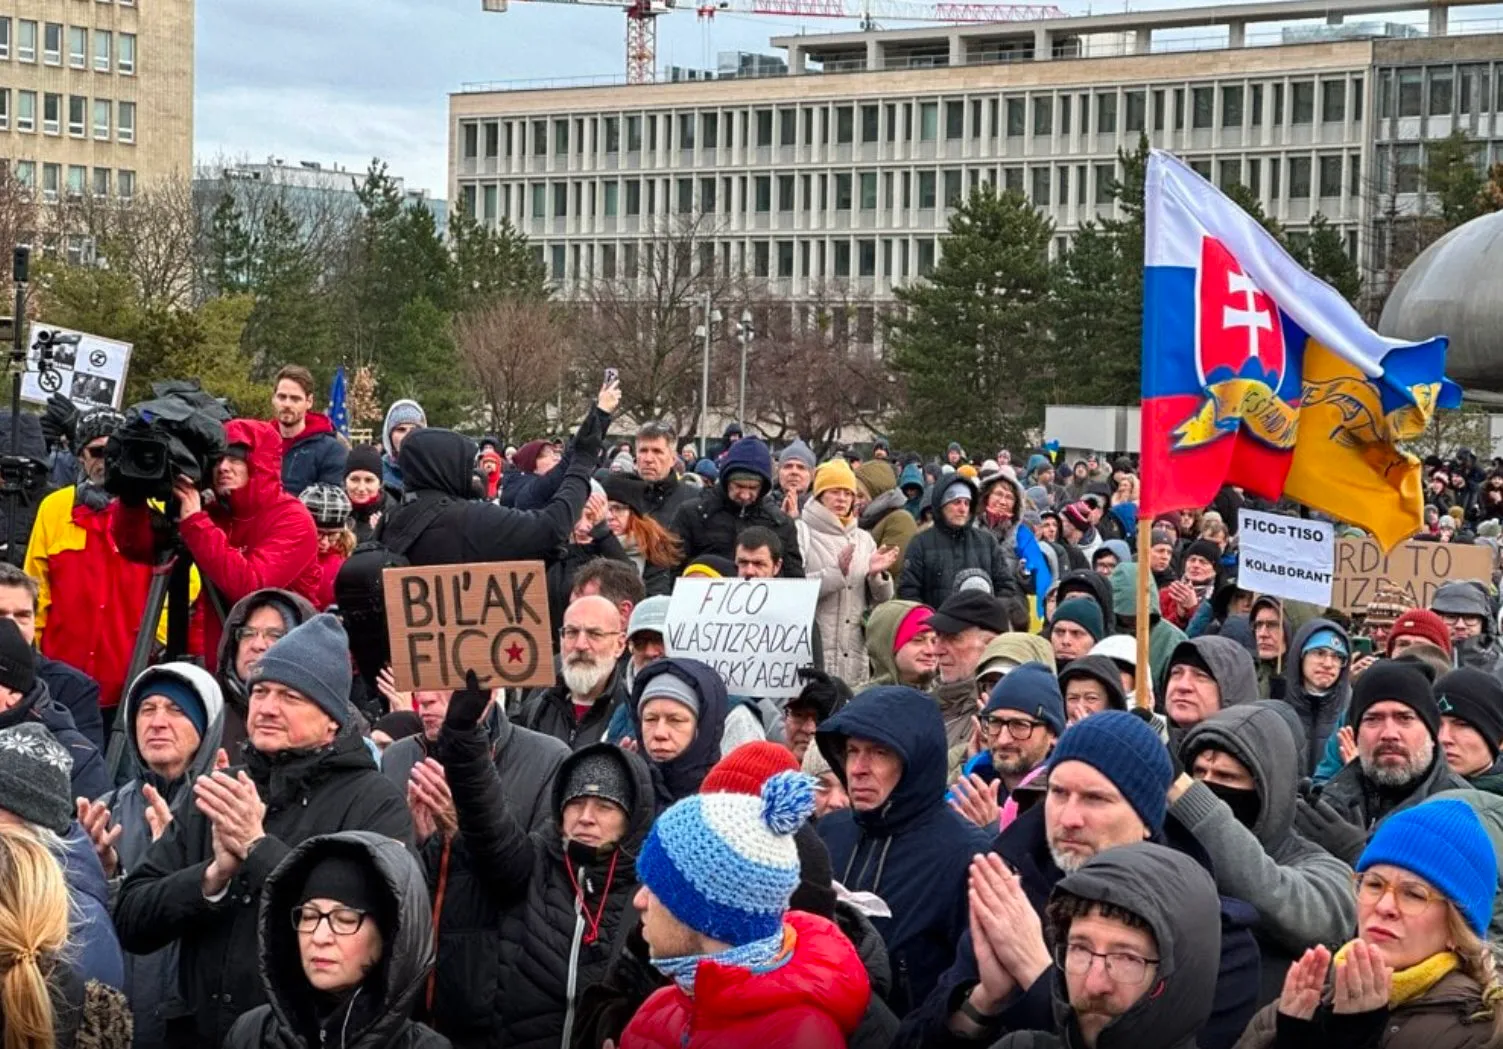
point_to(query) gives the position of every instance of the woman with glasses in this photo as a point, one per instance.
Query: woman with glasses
(655, 551)
(346, 944)
(1418, 975)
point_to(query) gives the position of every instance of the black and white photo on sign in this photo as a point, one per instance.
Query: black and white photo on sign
(90, 372)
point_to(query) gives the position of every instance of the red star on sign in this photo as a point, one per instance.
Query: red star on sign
(514, 653)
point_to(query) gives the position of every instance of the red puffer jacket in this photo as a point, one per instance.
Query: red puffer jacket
(257, 537)
(813, 1001)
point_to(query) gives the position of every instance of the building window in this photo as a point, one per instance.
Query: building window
(1179, 109)
(762, 186)
(26, 41)
(1064, 115)
(102, 118)
(1064, 185)
(1257, 105)
(52, 114)
(842, 252)
(1043, 116)
(785, 193)
(954, 119)
(1017, 118)
(492, 139)
(1135, 117)
(1231, 106)
(5, 37)
(613, 134)
(539, 206)
(4, 108)
(125, 122)
(845, 125)
(611, 192)
(78, 47)
(125, 183)
(1106, 113)
(952, 197)
(561, 200)
(1229, 174)
(843, 192)
(1356, 175)
(556, 258)
(1106, 182)
(1277, 116)
(1299, 178)
(868, 191)
(634, 134)
(1303, 108)
(709, 136)
(1474, 96)
(925, 260)
(633, 197)
(764, 127)
(1407, 169)
(1441, 91)
(125, 56)
(928, 121)
(469, 141)
(26, 110)
(78, 176)
(1202, 107)
(866, 258)
(52, 179)
(26, 173)
(1330, 176)
(1041, 186)
(1411, 90)
(78, 113)
(1332, 101)
(926, 189)
(870, 118)
(560, 138)
(785, 258)
(52, 43)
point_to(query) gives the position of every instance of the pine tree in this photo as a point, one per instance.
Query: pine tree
(228, 245)
(1453, 176)
(1326, 257)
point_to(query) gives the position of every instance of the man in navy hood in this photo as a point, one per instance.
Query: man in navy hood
(899, 840)
(739, 500)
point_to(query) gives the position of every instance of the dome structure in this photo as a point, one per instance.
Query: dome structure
(1455, 288)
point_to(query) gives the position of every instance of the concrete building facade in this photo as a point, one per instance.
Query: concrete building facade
(96, 96)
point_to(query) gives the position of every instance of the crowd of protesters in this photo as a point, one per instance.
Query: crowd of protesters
(965, 829)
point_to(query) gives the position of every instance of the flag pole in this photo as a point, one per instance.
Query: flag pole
(1143, 696)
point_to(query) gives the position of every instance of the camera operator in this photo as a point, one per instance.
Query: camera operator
(250, 536)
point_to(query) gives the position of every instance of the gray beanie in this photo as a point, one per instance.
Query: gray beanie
(36, 777)
(670, 686)
(800, 451)
(602, 774)
(401, 413)
(313, 659)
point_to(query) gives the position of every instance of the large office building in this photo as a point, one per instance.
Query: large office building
(840, 173)
(96, 96)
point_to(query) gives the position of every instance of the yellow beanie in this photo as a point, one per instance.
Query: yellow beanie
(967, 471)
(836, 473)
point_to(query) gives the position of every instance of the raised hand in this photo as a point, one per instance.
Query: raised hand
(1011, 923)
(94, 818)
(430, 786)
(996, 983)
(882, 560)
(1363, 980)
(234, 806)
(158, 812)
(1304, 983)
(977, 800)
(467, 705)
(610, 396)
(386, 684)
(1346, 742)
(422, 817)
(790, 503)
(844, 558)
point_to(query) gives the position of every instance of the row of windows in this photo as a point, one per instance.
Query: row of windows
(1401, 166)
(110, 50)
(1196, 107)
(1439, 91)
(838, 258)
(84, 116)
(78, 179)
(1046, 184)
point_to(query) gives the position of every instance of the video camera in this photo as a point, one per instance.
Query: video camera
(178, 433)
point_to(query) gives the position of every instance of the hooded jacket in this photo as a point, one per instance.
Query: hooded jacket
(296, 610)
(257, 537)
(93, 950)
(1174, 896)
(1232, 671)
(1484, 651)
(90, 778)
(941, 552)
(151, 979)
(1163, 635)
(1303, 894)
(913, 851)
(307, 793)
(1003, 531)
(881, 516)
(516, 944)
(1320, 715)
(711, 525)
(315, 456)
(881, 631)
(815, 999)
(843, 596)
(376, 1017)
(444, 525)
(680, 777)
(913, 477)
(1087, 582)
(1101, 669)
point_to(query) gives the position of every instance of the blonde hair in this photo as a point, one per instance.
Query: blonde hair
(33, 932)
(1477, 962)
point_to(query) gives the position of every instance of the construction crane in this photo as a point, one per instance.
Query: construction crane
(642, 31)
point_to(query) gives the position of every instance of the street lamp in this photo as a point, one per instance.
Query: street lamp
(705, 331)
(744, 334)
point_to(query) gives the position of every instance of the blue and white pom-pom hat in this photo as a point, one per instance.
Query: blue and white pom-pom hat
(725, 864)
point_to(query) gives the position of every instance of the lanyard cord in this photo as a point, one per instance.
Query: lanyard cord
(594, 919)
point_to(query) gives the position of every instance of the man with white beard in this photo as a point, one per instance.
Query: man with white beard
(578, 709)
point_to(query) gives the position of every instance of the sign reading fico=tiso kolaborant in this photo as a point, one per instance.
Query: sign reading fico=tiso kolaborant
(1288, 557)
(446, 620)
(755, 633)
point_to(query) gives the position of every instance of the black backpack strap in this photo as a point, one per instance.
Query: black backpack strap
(423, 516)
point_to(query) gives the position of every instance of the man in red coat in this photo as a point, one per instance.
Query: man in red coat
(250, 536)
(717, 871)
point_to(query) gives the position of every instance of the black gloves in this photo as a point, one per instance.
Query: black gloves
(1319, 822)
(60, 420)
(467, 705)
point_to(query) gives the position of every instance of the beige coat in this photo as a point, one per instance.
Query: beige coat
(843, 598)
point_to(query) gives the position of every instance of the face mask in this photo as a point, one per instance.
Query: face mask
(1246, 805)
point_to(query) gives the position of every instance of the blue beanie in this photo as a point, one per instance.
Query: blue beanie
(1325, 638)
(1124, 749)
(1442, 841)
(182, 695)
(725, 865)
(1032, 689)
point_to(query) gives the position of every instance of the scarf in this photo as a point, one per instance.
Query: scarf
(759, 956)
(90, 495)
(1411, 983)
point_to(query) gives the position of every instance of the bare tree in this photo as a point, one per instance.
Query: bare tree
(18, 225)
(518, 354)
(152, 237)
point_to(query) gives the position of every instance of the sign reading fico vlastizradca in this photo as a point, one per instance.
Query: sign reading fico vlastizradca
(756, 633)
(1286, 557)
(444, 620)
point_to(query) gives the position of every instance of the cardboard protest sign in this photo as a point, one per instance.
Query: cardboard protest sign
(490, 618)
(754, 632)
(1414, 567)
(1285, 556)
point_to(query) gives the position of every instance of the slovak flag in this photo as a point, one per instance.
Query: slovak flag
(1260, 375)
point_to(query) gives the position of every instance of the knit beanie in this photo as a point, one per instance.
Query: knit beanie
(628, 491)
(836, 473)
(1161, 537)
(1030, 689)
(36, 777)
(94, 424)
(401, 413)
(18, 662)
(670, 686)
(1442, 841)
(161, 681)
(1395, 681)
(603, 775)
(745, 769)
(1475, 697)
(956, 490)
(815, 763)
(1421, 622)
(1204, 548)
(363, 458)
(399, 724)
(1325, 638)
(344, 876)
(1127, 751)
(526, 458)
(798, 451)
(314, 660)
(725, 864)
(1386, 606)
(1078, 514)
(1084, 612)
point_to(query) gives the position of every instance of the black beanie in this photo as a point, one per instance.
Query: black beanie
(363, 457)
(816, 891)
(1475, 697)
(18, 663)
(353, 882)
(1395, 681)
(1206, 549)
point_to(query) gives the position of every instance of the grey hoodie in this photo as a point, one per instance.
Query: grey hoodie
(1230, 665)
(1319, 714)
(1303, 894)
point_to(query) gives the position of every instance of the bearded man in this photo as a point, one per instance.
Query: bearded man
(578, 710)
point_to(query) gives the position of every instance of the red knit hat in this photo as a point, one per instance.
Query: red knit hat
(745, 769)
(1421, 623)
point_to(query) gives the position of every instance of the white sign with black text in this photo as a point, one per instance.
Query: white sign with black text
(1286, 557)
(756, 633)
(90, 372)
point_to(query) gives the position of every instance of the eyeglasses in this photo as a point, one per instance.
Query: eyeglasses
(91, 452)
(594, 635)
(1017, 728)
(1452, 618)
(1122, 967)
(248, 633)
(1410, 897)
(343, 921)
(1265, 626)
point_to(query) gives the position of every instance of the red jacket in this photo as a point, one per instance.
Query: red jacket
(258, 537)
(328, 568)
(813, 1001)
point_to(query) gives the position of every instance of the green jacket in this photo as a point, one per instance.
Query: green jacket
(1163, 636)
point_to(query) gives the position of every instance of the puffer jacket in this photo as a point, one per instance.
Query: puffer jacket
(886, 517)
(376, 1015)
(813, 1000)
(843, 596)
(315, 456)
(711, 524)
(90, 779)
(941, 552)
(258, 537)
(512, 975)
(1320, 715)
